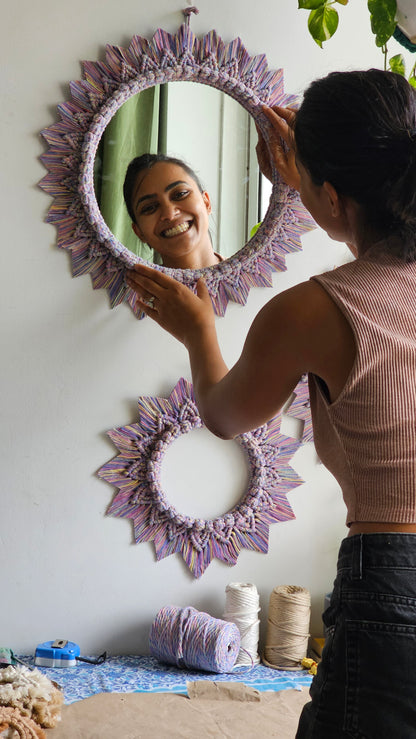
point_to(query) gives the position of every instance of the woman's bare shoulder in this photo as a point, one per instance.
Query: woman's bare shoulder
(310, 330)
(299, 307)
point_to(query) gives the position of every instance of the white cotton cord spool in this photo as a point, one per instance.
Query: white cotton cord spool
(242, 608)
(287, 627)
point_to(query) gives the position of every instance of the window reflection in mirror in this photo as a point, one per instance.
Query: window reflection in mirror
(210, 132)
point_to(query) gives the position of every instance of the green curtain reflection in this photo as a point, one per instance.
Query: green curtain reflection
(139, 126)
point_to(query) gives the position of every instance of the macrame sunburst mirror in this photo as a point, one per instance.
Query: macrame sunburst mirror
(74, 139)
(136, 472)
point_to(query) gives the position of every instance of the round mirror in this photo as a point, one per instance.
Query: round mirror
(73, 157)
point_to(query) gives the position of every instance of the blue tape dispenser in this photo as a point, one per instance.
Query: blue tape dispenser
(63, 653)
(58, 653)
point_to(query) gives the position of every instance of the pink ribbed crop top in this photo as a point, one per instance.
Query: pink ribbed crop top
(367, 436)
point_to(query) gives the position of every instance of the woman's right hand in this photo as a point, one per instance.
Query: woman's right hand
(272, 153)
(174, 306)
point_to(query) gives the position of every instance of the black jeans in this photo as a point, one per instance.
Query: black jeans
(366, 683)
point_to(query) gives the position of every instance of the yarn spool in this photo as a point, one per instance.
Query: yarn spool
(189, 638)
(287, 627)
(242, 607)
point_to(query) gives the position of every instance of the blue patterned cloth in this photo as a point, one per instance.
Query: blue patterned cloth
(130, 674)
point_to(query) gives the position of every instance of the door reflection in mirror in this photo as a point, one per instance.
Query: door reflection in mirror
(211, 133)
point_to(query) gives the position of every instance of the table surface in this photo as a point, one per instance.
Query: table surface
(138, 674)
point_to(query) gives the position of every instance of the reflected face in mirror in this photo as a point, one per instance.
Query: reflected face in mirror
(170, 212)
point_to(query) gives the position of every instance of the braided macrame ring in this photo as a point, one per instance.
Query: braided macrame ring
(11, 718)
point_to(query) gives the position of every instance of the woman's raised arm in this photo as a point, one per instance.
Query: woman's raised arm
(288, 338)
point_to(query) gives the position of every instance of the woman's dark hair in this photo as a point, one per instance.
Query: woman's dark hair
(357, 130)
(144, 162)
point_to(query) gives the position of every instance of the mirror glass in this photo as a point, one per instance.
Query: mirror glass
(206, 129)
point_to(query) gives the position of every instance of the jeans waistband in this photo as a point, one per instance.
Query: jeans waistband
(380, 550)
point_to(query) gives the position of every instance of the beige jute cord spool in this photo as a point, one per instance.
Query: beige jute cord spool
(287, 627)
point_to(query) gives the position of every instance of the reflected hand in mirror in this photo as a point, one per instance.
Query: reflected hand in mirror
(170, 211)
(272, 153)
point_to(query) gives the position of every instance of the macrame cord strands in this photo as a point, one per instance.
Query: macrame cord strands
(189, 638)
(287, 627)
(242, 608)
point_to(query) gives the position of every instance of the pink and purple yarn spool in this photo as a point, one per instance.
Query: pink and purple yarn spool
(189, 638)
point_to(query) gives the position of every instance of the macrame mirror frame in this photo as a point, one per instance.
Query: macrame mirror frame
(73, 142)
(136, 472)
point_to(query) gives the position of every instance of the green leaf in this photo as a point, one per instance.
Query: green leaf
(377, 6)
(322, 24)
(383, 19)
(342, 2)
(311, 4)
(396, 64)
(255, 229)
(412, 76)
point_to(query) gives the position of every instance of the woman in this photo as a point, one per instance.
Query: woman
(352, 154)
(170, 211)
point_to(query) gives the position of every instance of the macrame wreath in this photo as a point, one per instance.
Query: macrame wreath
(300, 408)
(136, 473)
(74, 139)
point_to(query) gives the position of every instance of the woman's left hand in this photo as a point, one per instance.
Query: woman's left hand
(171, 304)
(272, 153)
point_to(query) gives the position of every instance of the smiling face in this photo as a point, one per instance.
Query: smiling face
(172, 216)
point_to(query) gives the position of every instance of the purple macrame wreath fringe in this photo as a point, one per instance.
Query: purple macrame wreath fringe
(300, 408)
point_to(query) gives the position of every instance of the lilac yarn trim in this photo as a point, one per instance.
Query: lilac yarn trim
(189, 638)
(74, 139)
(300, 408)
(188, 12)
(136, 474)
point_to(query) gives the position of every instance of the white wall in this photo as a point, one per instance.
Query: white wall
(71, 368)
